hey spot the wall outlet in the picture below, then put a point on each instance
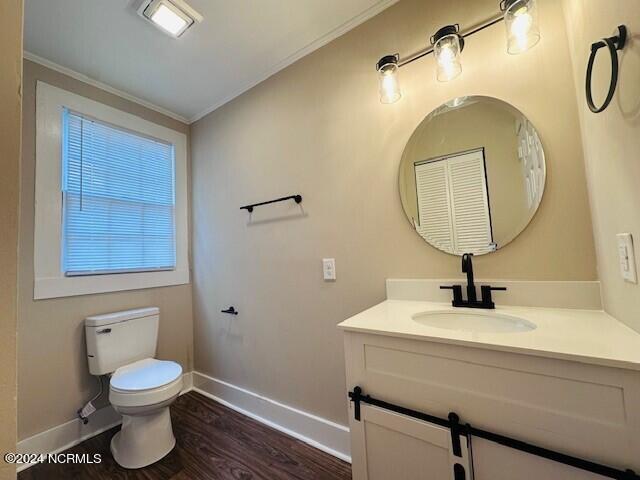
(329, 269)
(627, 257)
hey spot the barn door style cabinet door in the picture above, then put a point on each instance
(586, 411)
(394, 446)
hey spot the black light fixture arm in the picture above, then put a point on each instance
(463, 34)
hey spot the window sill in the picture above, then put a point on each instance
(59, 287)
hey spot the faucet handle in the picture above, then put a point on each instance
(487, 301)
(457, 293)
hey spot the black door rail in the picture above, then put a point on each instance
(467, 430)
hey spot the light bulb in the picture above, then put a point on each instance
(520, 28)
(521, 20)
(388, 78)
(390, 88)
(447, 51)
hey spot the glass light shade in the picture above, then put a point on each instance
(447, 51)
(521, 20)
(389, 83)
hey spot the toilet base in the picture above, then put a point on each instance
(143, 439)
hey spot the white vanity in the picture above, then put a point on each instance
(546, 386)
(560, 374)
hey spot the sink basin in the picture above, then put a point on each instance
(476, 322)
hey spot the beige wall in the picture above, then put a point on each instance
(611, 141)
(317, 128)
(10, 125)
(479, 125)
(53, 376)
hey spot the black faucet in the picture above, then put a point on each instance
(472, 298)
(467, 267)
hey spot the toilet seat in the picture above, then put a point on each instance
(145, 382)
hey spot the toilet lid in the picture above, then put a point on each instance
(145, 374)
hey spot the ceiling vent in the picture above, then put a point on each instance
(173, 17)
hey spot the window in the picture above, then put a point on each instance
(118, 199)
(111, 199)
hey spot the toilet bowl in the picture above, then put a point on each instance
(141, 388)
(142, 392)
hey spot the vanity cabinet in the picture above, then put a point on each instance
(585, 410)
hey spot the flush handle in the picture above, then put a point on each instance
(103, 331)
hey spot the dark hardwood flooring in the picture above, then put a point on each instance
(213, 442)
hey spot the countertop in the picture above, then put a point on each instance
(586, 336)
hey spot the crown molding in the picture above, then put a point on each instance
(316, 44)
(102, 86)
(242, 88)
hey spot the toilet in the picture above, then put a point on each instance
(141, 388)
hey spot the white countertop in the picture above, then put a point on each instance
(587, 336)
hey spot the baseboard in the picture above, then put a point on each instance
(187, 382)
(318, 432)
(70, 434)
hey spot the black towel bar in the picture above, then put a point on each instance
(612, 44)
(249, 208)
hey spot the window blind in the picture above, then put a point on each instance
(118, 199)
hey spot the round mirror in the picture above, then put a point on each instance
(472, 175)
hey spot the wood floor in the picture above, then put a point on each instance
(213, 442)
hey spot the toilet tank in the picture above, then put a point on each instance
(117, 339)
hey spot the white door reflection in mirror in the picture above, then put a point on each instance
(453, 202)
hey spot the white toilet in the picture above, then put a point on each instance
(123, 345)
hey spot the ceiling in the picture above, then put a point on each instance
(239, 44)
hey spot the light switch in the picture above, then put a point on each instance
(627, 257)
(329, 268)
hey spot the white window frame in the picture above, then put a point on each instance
(50, 280)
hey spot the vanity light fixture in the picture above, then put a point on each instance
(447, 45)
(521, 20)
(173, 17)
(387, 69)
